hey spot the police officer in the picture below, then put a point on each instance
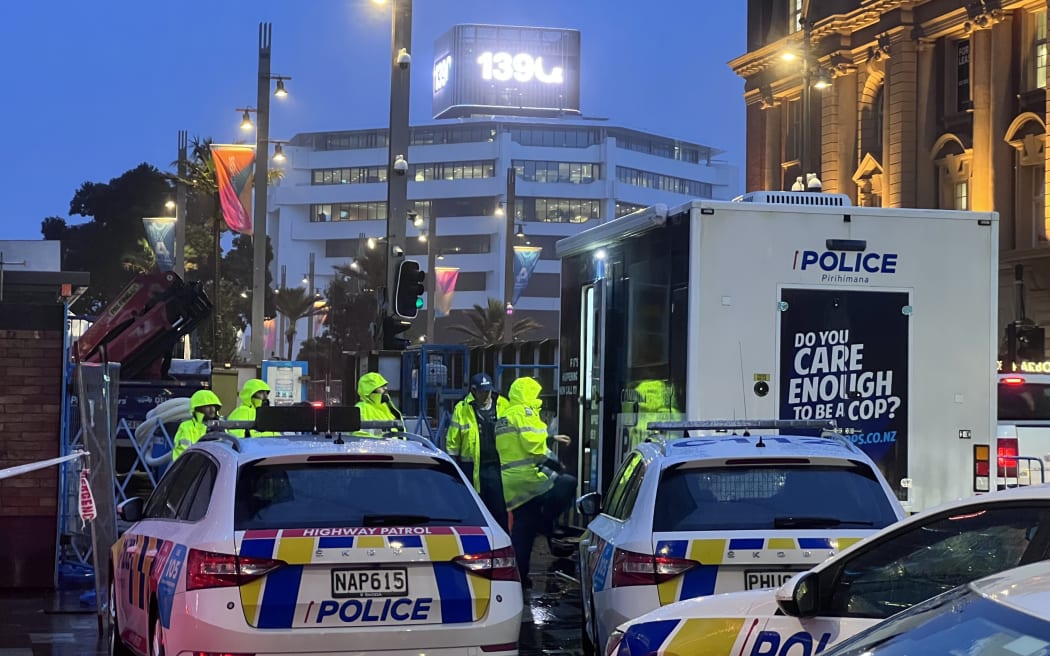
(204, 406)
(535, 493)
(375, 404)
(471, 441)
(254, 394)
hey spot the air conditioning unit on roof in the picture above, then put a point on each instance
(806, 198)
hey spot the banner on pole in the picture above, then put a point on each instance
(160, 233)
(234, 172)
(444, 288)
(525, 259)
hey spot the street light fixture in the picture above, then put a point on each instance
(246, 121)
(813, 77)
(278, 152)
(520, 234)
(280, 91)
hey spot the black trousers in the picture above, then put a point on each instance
(492, 492)
(538, 516)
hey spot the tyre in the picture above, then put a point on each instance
(116, 645)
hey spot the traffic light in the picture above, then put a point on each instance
(392, 327)
(408, 290)
(1031, 343)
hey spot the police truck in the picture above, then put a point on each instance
(789, 305)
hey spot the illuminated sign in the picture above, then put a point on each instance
(522, 67)
(843, 262)
(442, 68)
(499, 69)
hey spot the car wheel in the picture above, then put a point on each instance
(116, 645)
(156, 645)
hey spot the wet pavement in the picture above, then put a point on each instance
(50, 623)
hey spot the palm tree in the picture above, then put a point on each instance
(141, 260)
(295, 304)
(369, 271)
(487, 323)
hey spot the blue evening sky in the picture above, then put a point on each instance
(92, 89)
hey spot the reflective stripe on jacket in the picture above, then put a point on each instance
(463, 437)
(521, 439)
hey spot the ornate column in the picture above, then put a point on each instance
(899, 152)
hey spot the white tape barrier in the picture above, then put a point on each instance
(33, 466)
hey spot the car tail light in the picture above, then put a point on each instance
(630, 568)
(507, 646)
(497, 565)
(207, 569)
(1006, 448)
(1012, 380)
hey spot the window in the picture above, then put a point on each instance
(452, 170)
(794, 15)
(769, 498)
(174, 488)
(624, 491)
(664, 182)
(370, 211)
(936, 556)
(350, 140)
(660, 146)
(353, 175)
(1027, 401)
(962, 195)
(557, 210)
(623, 209)
(324, 495)
(570, 172)
(1039, 50)
(792, 131)
(555, 137)
(430, 135)
(197, 504)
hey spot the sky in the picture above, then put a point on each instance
(93, 89)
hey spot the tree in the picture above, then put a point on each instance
(101, 245)
(295, 304)
(486, 324)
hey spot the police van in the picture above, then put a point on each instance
(311, 544)
(901, 566)
(789, 305)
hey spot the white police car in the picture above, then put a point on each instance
(902, 565)
(1004, 614)
(696, 516)
(312, 545)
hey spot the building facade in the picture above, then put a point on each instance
(567, 175)
(910, 103)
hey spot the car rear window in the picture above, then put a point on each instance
(351, 494)
(770, 497)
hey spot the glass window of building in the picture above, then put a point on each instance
(962, 195)
(352, 175)
(557, 210)
(568, 172)
(623, 209)
(555, 137)
(1039, 50)
(664, 182)
(428, 171)
(369, 211)
(795, 15)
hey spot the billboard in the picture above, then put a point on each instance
(844, 356)
(499, 69)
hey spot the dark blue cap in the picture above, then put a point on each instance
(481, 382)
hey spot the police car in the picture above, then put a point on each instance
(308, 545)
(1002, 614)
(902, 565)
(696, 516)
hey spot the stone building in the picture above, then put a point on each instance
(910, 103)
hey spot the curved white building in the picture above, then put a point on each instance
(569, 175)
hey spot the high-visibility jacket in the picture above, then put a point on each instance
(463, 437)
(521, 439)
(193, 429)
(375, 408)
(246, 410)
(655, 400)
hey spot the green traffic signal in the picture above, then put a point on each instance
(419, 303)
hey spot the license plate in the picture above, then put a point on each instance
(391, 582)
(757, 579)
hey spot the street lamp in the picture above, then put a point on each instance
(262, 139)
(246, 121)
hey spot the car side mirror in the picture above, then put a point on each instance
(589, 504)
(798, 597)
(131, 510)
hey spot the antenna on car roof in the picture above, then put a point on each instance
(743, 392)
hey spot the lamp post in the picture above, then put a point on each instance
(310, 295)
(180, 206)
(812, 76)
(262, 141)
(508, 269)
(398, 141)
